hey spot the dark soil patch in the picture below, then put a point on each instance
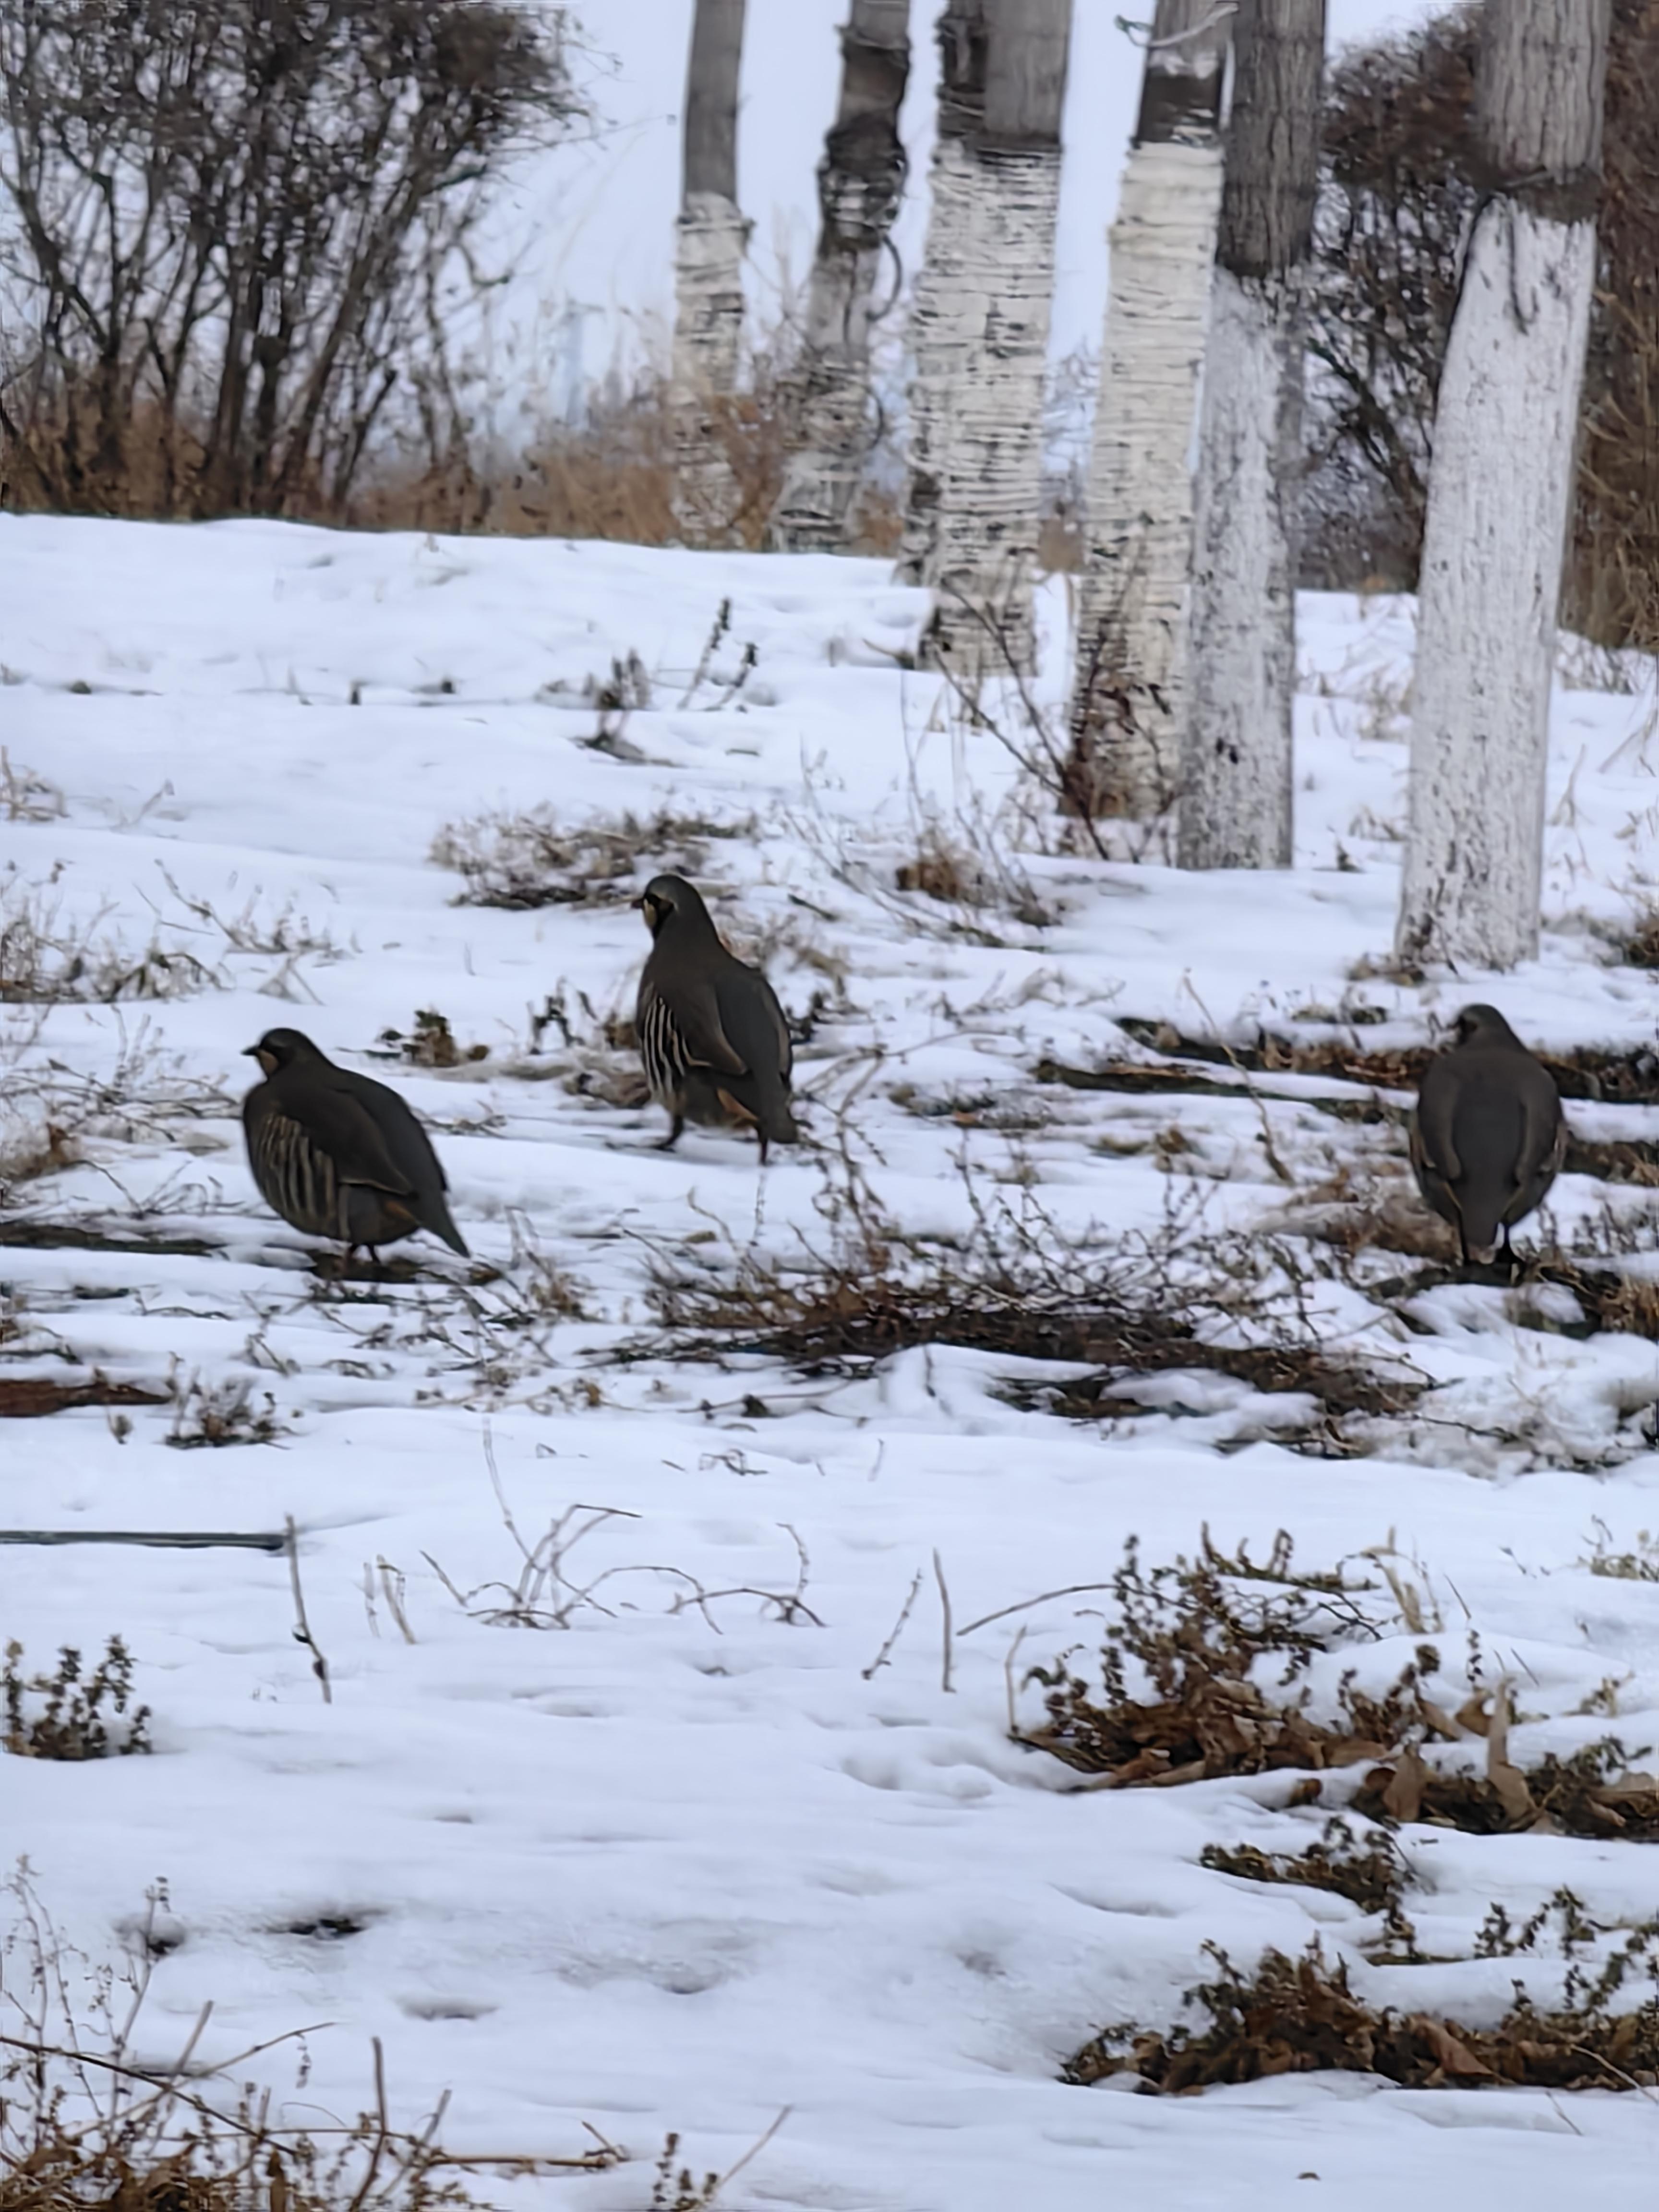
(27, 1397)
(36, 1235)
(1622, 1078)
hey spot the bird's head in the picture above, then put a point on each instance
(1485, 1023)
(665, 895)
(280, 1049)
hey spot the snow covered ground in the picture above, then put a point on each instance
(679, 1865)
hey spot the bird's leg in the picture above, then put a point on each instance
(668, 1143)
(761, 1133)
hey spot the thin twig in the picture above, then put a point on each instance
(1072, 1589)
(392, 1586)
(1008, 1680)
(754, 2150)
(897, 1630)
(302, 1627)
(946, 1682)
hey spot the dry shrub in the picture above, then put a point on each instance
(528, 859)
(1299, 2016)
(1595, 1792)
(1021, 1286)
(89, 2118)
(430, 1044)
(1195, 1632)
(65, 1714)
(208, 1416)
(48, 959)
(1182, 1698)
(1367, 1870)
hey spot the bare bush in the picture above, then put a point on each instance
(1401, 184)
(239, 232)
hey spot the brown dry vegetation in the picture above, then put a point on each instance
(1020, 1288)
(1300, 2016)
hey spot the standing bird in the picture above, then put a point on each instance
(1488, 1137)
(337, 1154)
(712, 1034)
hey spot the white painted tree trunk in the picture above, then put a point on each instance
(1236, 803)
(1499, 498)
(980, 340)
(1500, 490)
(711, 235)
(1237, 754)
(1130, 680)
(860, 181)
(979, 329)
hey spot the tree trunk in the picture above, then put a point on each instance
(1500, 490)
(709, 280)
(979, 327)
(860, 181)
(1129, 683)
(1237, 748)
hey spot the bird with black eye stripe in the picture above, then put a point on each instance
(337, 1154)
(712, 1034)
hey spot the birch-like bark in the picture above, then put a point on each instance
(1500, 492)
(711, 236)
(1237, 749)
(980, 328)
(1130, 680)
(860, 182)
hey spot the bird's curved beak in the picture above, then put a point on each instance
(638, 903)
(250, 1052)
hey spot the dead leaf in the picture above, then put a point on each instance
(1440, 1720)
(1454, 2058)
(1407, 1780)
(1472, 1714)
(1505, 1777)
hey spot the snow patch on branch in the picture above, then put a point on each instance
(1499, 497)
(1235, 802)
(1129, 686)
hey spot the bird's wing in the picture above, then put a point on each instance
(407, 1145)
(343, 1127)
(696, 1008)
(1431, 1130)
(752, 1019)
(1543, 1125)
